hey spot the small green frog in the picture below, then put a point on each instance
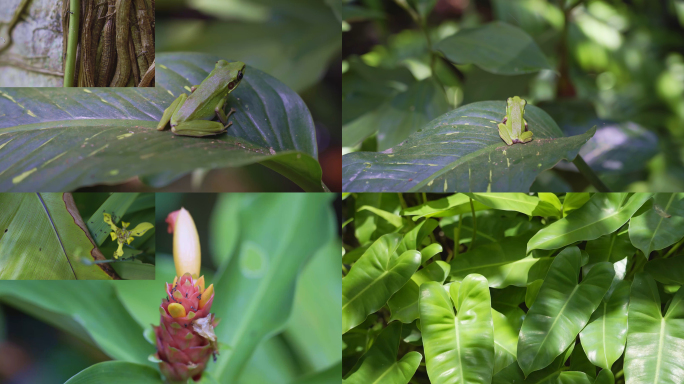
(191, 115)
(511, 128)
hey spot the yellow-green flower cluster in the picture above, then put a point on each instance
(123, 235)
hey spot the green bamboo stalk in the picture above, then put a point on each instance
(75, 10)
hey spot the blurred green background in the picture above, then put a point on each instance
(298, 42)
(618, 64)
(32, 351)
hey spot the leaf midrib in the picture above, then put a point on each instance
(541, 345)
(59, 238)
(650, 242)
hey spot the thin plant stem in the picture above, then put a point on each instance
(472, 209)
(673, 249)
(586, 171)
(75, 10)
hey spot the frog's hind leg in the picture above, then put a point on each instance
(222, 115)
(503, 133)
(525, 121)
(168, 112)
(526, 137)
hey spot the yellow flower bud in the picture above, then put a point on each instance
(186, 247)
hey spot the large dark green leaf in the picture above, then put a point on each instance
(655, 343)
(495, 47)
(61, 139)
(659, 226)
(462, 151)
(42, 236)
(459, 346)
(667, 271)
(380, 365)
(562, 308)
(399, 117)
(116, 372)
(604, 213)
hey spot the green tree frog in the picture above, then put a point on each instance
(511, 128)
(191, 115)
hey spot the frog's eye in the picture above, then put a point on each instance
(239, 75)
(231, 85)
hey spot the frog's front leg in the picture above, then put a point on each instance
(222, 115)
(503, 133)
(168, 112)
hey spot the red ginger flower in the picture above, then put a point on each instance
(185, 335)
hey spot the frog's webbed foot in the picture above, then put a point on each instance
(503, 133)
(526, 137)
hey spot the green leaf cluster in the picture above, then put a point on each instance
(513, 288)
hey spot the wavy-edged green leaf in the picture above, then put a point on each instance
(87, 309)
(506, 331)
(42, 237)
(604, 213)
(64, 138)
(517, 202)
(462, 151)
(404, 304)
(459, 347)
(532, 292)
(116, 372)
(555, 373)
(661, 225)
(655, 343)
(414, 238)
(562, 308)
(367, 225)
(374, 278)
(603, 339)
(507, 301)
(574, 200)
(667, 271)
(496, 47)
(503, 263)
(380, 365)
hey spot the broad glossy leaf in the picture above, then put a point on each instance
(574, 200)
(562, 308)
(604, 213)
(117, 372)
(605, 377)
(492, 226)
(61, 139)
(414, 238)
(667, 271)
(380, 365)
(404, 304)
(507, 301)
(42, 237)
(612, 247)
(503, 263)
(461, 151)
(603, 339)
(580, 362)
(555, 373)
(459, 347)
(87, 309)
(506, 331)
(496, 47)
(517, 202)
(655, 343)
(532, 292)
(258, 284)
(374, 278)
(661, 225)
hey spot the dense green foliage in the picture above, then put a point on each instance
(415, 70)
(511, 288)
